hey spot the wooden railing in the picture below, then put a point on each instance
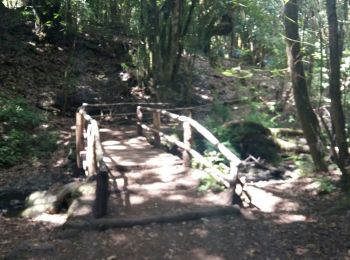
(94, 149)
(229, 180)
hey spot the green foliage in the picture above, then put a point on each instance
(325, 185)
(250, 137)
(257, 115)
(237, 73)
(11, 146)
(304, 164)
(15, 113)
(219, 114)
(208, 182)
(20, 136)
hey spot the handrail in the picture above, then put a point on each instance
(124, 104)
(186, 144)
(94, 149)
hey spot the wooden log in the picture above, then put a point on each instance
(156, 125)
(160, 219)
(286, 131)
(139, 116)
(102, 192)
(187, 135)
(79, 137)
(292, 147)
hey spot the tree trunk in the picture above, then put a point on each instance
(335, 94)
(307, 117)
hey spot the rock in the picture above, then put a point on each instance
(50, 201)
(251, 138)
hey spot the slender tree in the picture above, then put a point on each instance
(335, 94)
(307, 117)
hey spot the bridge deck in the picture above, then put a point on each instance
(147, 180)
(123, 149)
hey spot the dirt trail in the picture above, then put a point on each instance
(290, 223)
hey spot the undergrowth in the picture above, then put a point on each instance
(21, 134)
(251, 137)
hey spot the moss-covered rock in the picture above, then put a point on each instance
(250, 138)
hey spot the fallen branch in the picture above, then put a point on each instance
(105, 223)
(286, 131)
(292, 147)
(274, 171)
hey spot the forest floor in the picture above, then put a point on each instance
(290, 220)
(290, 224)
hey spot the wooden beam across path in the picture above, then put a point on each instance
(105, 223)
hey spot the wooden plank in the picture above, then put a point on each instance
(156, 125)
(187, 135)
(139, 121)
(79, 138)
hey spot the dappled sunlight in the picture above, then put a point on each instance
(201, 253)
(114, 145)
(53, 219)
(265, 201)
(287, 218)
(60, 162)
(110, 142)
(179, 197)
(311, 187)
(200, 232)
(137, 200)
(118, 238)
(105, 130)
(288, 205)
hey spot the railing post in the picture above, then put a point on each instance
(186, 157)
(139, 121)
(233, 180)
(91, 157)
(156, 125)
(79, 137)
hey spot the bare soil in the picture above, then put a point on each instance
(294, 225)
(289, 221)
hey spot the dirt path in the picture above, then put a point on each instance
(255, 235)
(291, 223)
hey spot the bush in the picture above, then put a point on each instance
(250, 138)
(325, 185)
(15, 113)
(20, 137)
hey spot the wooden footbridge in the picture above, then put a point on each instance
(111, 150)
